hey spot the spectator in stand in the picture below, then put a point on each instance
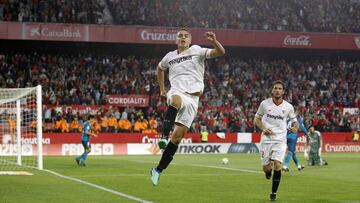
(153, 124)
(124, 125)
(112, 123)
(33, 126)
(75, 125)
(12, 127)
(95, 125)
(64, 126)
(104, 123)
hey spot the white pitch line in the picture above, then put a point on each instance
(209, 166)
(145, 175)
(92, 185)
(98, 187)
(225, 168)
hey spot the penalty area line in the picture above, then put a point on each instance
(98, 187)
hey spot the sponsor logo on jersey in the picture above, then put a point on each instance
(179, 60)
(275, 116)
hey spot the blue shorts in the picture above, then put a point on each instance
(291, 143)
(86, 144)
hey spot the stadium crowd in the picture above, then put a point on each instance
(274, 15)
(234, 87)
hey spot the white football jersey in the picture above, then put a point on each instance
(186, 70)
(275, 117)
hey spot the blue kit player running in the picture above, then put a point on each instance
(85, 141)
(291, 144)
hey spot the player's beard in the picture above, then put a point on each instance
(277, 97)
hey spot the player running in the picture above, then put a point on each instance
(271, 118)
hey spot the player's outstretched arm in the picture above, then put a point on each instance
(219, 49)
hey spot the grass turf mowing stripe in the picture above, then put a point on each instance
(98, 187)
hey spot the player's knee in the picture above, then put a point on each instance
(88, 150)
(267, 168)
(175, 101)
(277, 165)
(178, 134)
(176, 139)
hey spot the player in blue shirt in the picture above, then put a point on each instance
(291, 143)
(85, 140)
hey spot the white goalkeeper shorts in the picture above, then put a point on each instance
(272, 151)
(188, 109)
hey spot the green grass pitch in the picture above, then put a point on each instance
(190, 178)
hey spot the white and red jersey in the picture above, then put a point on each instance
(275, 117)
(186, 70)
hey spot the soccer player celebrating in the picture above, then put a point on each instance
(186, 74)
(85, 140)
(291, 144)
(271, 118)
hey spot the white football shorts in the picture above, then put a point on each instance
(188, 110)
(272, 151)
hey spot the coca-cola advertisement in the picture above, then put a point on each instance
(301, 40)
(164, 35)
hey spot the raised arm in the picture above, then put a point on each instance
(218, 48)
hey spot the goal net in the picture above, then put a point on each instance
(20, 128)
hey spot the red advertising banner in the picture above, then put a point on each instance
(60, 138)
(129, 100)
(69, 144)
(164, 35)
(338, 137)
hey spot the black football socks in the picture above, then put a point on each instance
(276, 180)
(168, 121)
(167, 156)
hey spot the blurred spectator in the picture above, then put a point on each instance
(234, 88)
(280, 15)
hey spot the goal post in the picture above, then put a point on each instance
(21, 128)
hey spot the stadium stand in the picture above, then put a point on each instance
(281, 15)
(319, 88)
